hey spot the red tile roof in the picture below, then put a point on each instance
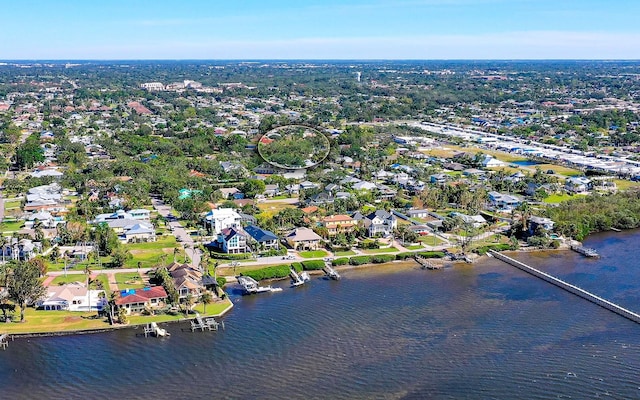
(142, 295)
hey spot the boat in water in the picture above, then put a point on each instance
(250, 286)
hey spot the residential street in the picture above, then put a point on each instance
(178, 231)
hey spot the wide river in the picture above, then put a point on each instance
(482, 331)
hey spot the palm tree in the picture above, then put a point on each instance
(3, 243)
(175, 253)
(87, 272)
(206, 298)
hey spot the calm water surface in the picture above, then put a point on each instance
(481, 331)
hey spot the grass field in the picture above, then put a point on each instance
(274, 208)
(558, 198)
(40, 321)
(345, 253)
(105, 283)
(150, 253)
(62, 280)
(380, 251)
(9, 204)
(431, 240)
(129, 280)
(10, 226)
(450, 150)
(623, 184)
(560, 170)
(313, 254)
(415, 247)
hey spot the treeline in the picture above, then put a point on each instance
(582, 216)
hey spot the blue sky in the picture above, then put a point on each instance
(327, 29)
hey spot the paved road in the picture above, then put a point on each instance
(178, 231)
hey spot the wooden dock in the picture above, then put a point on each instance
(426, 264)
(203, 324)
(585, 251)
(568, 287)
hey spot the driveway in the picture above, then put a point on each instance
(178, 231)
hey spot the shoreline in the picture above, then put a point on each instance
(231, 280)
(111, 328)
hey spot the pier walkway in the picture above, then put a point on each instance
(568, 287)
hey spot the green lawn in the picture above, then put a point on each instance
(313, 254)
(345, 253)
(623, 184)
(379, 251)
(10, 226)
(280, 197)
(431, 240)
(62, 280)
(149, 254)
(39, 321)
(129, 280)
(105, 283)
(558, 198)
(559, 169)
(415, 247)
(12, 204)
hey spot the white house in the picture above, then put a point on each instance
(72, 297)
(222, 218)
(380, 223)
(578, 184)
(503, 202)
(490, 162)
(232, 240)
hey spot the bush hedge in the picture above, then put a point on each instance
(431, 254)
(382, 258)
(313, 265)
(403, 256)
(360, 260)
(221, 281)
(276, 271)
(297, 266)
(225, 256)
(496, 247)
(340, 261)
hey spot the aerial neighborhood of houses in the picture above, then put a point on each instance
(161, 192)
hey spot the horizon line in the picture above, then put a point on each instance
(310, 59)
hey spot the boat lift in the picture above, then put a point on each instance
(299, 279)
(205, 324)
(328, 269)
(154, 330)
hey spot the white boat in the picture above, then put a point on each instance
(299, 279)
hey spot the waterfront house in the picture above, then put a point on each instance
(303, 239)
(232, 240)
(265, 239)
(380, 223)
(186, 279)
(72, 297)
(536, 223)
(135, 301)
